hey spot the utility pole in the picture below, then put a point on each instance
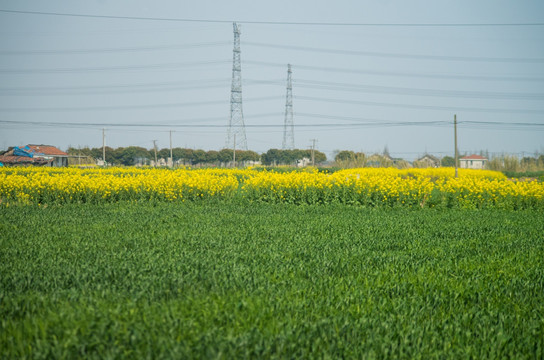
(455, 140)
(313, 151)
(234, 152)
(104, 146)
(171, 157)
(155, 148)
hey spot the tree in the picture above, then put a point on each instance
(447, 161)
(132, 155)
(97, 154)
(290, 157)
(225, 155)
(528, 161)
(319, 157)
(84, 151)
(164, 153)
(271, 157)
(186, 155)
(344, 155)
(247, 155)
(212, 156)
(199, 156)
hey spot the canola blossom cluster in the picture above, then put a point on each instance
(383, 187)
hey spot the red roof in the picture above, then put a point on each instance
(15, 159)
(47, 150)
(11, 159)
(473, 157)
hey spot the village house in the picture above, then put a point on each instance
(428, 160)
(35, 155)
(472, 162)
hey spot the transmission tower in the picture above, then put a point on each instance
(288, 125)
(236, 127)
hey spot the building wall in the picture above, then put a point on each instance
(56, 161)
(472, 164)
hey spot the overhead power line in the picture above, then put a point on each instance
(396, 55)
(126, 107)
(117, 86)
(113, 50)
(114, 68)
(425, 107)
(401, 74)
(415, 91)
(273, 22)
(368, 123)
(122, 88)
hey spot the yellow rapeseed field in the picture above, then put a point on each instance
(368, 186)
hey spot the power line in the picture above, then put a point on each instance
(363, 123)
(341, 86)
(425, 107)
(126, 107)
(114, 68)
(402, 74)
(113, 50)
(123, 88)
(269, 98)
(106, 90)
(366, 121)
(102, 87)
(416, 91)
(274, 22)
(396, 55)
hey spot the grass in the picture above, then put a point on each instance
(203, 280)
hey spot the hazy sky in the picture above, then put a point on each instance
(361, 79)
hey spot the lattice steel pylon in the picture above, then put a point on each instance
(236, 130)
(288, 125)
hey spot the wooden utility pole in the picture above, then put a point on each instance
(313, 151)
(155, 149)
(104, 146)
(171, 157)
(234, 152)
(455, 140)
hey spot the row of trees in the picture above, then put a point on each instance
(134, 155)
(292, 157)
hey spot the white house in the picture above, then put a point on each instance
(472, 162)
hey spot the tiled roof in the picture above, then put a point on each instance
(11, 159)
(429, 156)
(473, 157)
(47, 150)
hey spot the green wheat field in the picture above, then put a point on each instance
(232, 281)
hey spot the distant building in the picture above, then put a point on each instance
(302, 162)
(472, 162)
(35, 155)
(428, 160)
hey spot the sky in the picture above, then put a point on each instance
(366, 74)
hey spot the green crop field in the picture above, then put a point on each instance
(225, 280)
